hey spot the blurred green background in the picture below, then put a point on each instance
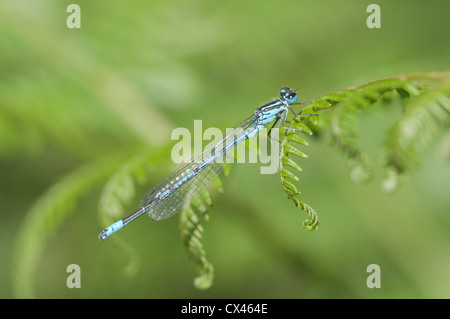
(135, 71)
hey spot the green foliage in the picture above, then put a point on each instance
(419, 125)
(191, 234)
(289, 146)
(47, 215)
(425, 105)
(425, 110)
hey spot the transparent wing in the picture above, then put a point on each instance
(186, 193)
(169, 197)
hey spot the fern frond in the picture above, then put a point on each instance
(47, 214)
(351, 102)
(191, 232)
(344, 134)
(416, 128)
(288, 148)
(357, 98)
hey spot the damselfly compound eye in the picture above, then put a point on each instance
(289, 95)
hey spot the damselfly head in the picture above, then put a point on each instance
(289, 95)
